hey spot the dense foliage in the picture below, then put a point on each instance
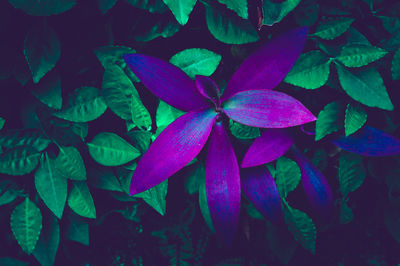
(75, 121)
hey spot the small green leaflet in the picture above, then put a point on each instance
(194, 178)
(239, 6)
(241, 131)
(391, 24)
(165, 115)
(84, 105)
(141, 139)
(51, 186)
(287, 176)
(21, 70)
(351, 172)
(7, 261)
(8, 192)
(346, 214)
(205, 211)
(320, 159)
(333, 28)
(43, 7)
(155, 197)
(104, 178)
(354, 119)
(227, 27)
(70, 164)
(19, 161)
(301, 226)
(181, 9)
(42, 49)
(281, 242)
(196, 61)
(252, 211)
(274, 12)
(105, 5)
(26, 225)
(78, 230)
(153, 6)
(358, 55)
(140, 115)
(365, 86)
(307, 13)
(80, 200)
(330, 119)
(28, 137)
(163, 26)
(110, 149)
(311, 70)
(396, 65)
(2, 122)
(48, 91)
(49, 240)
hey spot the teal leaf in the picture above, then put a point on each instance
(310, 71)
(42, 49)
(153, 6)
(165, 115)
(29, 137)
(351, 172)
(78, 230)
(205, 211)
(141, 139)
(105, 5)
(19, 161)
(2, 122)
(80, 200)
(70, 164)
(84, 105)
(110, 149)
(140, 115)
(8, 192)
(241, 131)
(357, 55)
(26, 225)
(354, 119)
(48, 91)
(181, 9)
(333, 28)
(252, 211)
(307, 13)
(163, 26)
(227, 27)
(196, 61)
(365, 86)
(396, 65)
(49, 240)
(346, 213)
(320, 159)
(391, 24)
(51, 186)
(155, 197)
(6, 261)
(238, 6)
(330, 119)
(43, 7)
(194, 178)
(392, 220)
(281, 242)
(287, 176)
(274, 11)
(104, 178)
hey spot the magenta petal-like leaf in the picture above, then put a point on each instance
(268, 109)
(166, 81)
(259, 186)
(369, 141)
(316, 187)
(271, 145)
(222, 184)
(266, 67)
(175, 147)
(208, 88)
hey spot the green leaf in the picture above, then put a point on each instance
(110, 149)
(333, 28)
(42, 49)
(51, 186)
(354, 119)
(70, 164)
(105, 5)
(205, 211)
(48, 91)
(238, 6)
(391, 24)
(78, 230)
(351, 172)
(43, 7)
(153, 6)
(80, 200)
(6, 261)
(84, 105)
(392, 220)
(320, 159)
(396, 65)
(281, 242)
(26, 225)
(311, 70)
(163, 26)
(365, 86)
(287, 177)
(357, 55)
(141, 139)
(104, 178)
(194, 178)
(196, 61)
(8, 192)
(274, 12)
(181, 9)
(165, 115)
(140, 115)
(253, 212)
(28, 137)
(227, 27)
(47, 246)
(19, 161)
(346, 214)
(330, 119)
(2, 122)
(241, 131)
(301, 226)
(307, 13)
(155, 197)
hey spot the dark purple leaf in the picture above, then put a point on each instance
(266, 67)
(167, 82)
(175, 147)
(268, 109)
(222, 184)
(369, 141)
(209, 89)
(259, 186)
(271, 145)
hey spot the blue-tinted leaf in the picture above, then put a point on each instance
(43, 7)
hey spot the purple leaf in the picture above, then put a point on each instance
(271, 145)
(369, 141)
(209, 89)
(268, 109)
(167, 82)
(222, 184)
(317, 189)
(259, 186)
(175, 147)
(266, 67)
